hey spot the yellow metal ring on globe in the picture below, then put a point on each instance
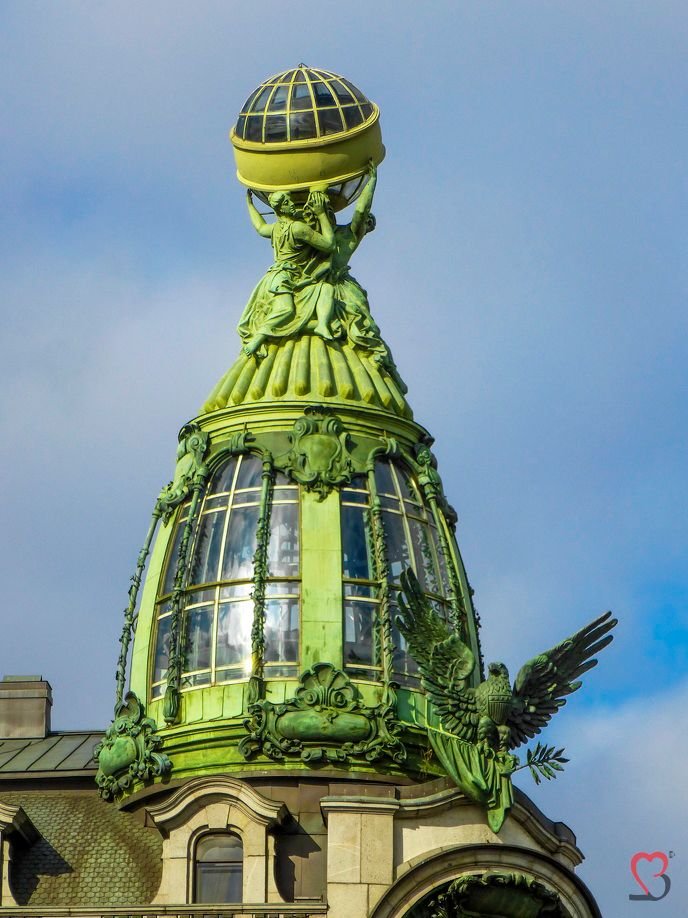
(301, 163)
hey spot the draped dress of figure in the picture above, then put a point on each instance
(296, 288)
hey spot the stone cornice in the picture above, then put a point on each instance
(553, 837)
(367, 805)
(201, 791)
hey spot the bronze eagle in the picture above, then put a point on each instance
(493, 714)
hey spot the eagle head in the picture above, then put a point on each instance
(498, 669)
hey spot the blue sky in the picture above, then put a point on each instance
(529, 264)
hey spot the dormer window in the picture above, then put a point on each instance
(219, 868)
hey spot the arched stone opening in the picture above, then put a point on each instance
(524, 872)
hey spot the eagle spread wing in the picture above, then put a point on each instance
(444, 661)
(543, 683)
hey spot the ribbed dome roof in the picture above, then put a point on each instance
(302, 104)
(310, 369)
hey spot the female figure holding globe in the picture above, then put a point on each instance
(308, 289)
(296, 286)
(307, 143)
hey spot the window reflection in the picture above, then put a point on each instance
(403, 664)
(278, 102)
(323, 96)
(173, 557)
(342, 92)
(275, 128)
(396, 545)
(330, 121)
(162, 647)
(261, 100)
(352, 115)
(219, 606)
(410, 540)
(360, 611)
(199, 625)
(359, 633)
(300, 97)
(218, 874)
(302, 125)
(234, 622)
(283, 550)
(281, 631)
(302, 92)
(209, 547)
(357, 548)
(240, 546)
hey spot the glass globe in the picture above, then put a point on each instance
(307, 127)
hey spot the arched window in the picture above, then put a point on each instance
(218, 602)
(219, 868)
(410, 540)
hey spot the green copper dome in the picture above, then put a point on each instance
(265, 631)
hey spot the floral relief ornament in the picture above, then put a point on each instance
(325, 721)
(128, 751)
(319, 457)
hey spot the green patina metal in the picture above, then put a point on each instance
(485, 722)
(381, 567)
(319, 458)
(321, 613)
(315, 396)
(431, 483)
(193, 444)
(486, 895)
(256, 689)
(130, 611)
(325, 721)
(307, 329)
(321, 566)
(177, 633)
(189, 475)
(190, 469)
(129, 750)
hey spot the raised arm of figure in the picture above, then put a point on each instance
(364, 204)
(323, 240)
(259, 224)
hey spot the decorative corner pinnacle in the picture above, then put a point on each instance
(190, 471)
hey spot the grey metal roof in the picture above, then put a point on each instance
(58, 754)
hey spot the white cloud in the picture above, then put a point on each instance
(623, 792)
